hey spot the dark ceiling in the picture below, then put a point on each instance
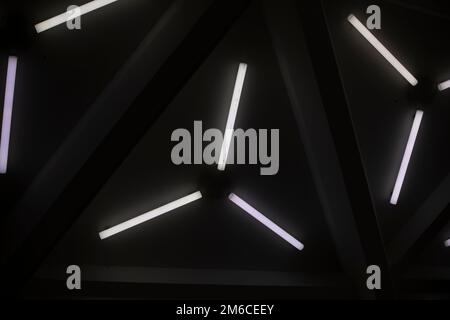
(90, 148)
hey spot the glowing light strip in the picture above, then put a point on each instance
(407, 157)
(67, 16)
(150, 215)
(382, 50)
(444, 85)
(447, 243)
(232, 116)
(265, 221)
(7, 113)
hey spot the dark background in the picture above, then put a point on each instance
(90, 147)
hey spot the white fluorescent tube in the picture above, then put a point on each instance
(407, 157)
(447, 243)
(444, 85)
(232, 116)
(265, 221)
(7, 113)
(150, 215)
(67, 16)
(382, 50)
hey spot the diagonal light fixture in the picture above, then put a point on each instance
(407, 157)
(150, 215)
(419, 113)
(7, 113)
(67, 16)
(265, 221)
(382, 49)
(229, 129)
(444, 85)
(221, 166)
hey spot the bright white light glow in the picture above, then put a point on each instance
(444, 85)
(265, 221)
(7, 113)
(229, 129)
(382, 49)
(67, 16)
(447, 243)
(150, 215)
(407, 157)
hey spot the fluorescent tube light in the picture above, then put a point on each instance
(444, 85)
(382, 49)
(229, 130)
(7, 113)
(150, 215)
(67, 16)
(265, 221)
(407, 157)
(447, 243)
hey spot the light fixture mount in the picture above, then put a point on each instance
(424, 93)
(215, 183)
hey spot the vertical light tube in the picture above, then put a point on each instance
(407, 157)
(447, 243)
(229, 129)
(7, 113)
(382, 49)
(265, 221)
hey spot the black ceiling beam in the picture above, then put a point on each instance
(186, 276)
(429, 282)
(428, 273)
(299, 78)
(55, 289)
(337, 111)
(113, 150)
(423, 226)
